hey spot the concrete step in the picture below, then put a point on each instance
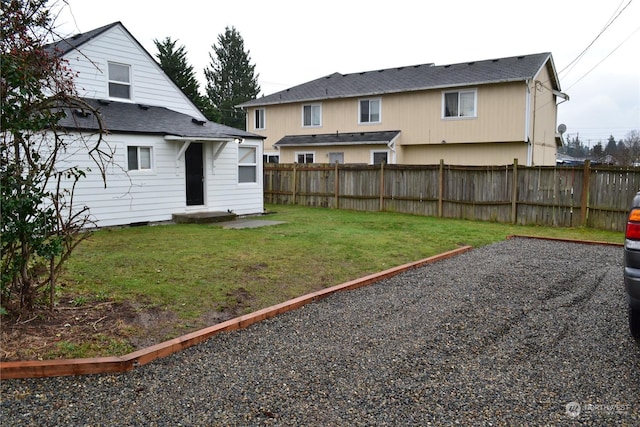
(202, 217)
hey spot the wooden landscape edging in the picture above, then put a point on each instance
(116, 364)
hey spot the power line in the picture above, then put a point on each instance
(603, 59)
(611, 21)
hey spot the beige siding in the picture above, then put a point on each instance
(465, 154)
(543, 116)
(357, 154)
(503, 118)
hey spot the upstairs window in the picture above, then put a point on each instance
(369, 111)
(247, 165)
(119, 81)
(459, 104)
(259, 119)
(138, 158)
(311, 115)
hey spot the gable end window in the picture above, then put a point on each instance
(259, 119)
(369, 111)
(138, 158)
(119, 80)
(459, 103)
(311, 115)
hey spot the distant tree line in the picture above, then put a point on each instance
(230, 77)
(624, 152)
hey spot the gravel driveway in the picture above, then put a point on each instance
(522, 332)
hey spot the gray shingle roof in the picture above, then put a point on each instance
(123, 117)
(66, 45)
(413, 78)
(351, 138)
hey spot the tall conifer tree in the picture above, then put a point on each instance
(173, 61)
(231, 78)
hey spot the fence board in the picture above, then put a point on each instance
(554, 196)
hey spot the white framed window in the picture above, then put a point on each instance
(271, 158)
(119, 80)
(336, 157)
(139, 158)
(369, 111)
(312, 115)
(308, 157)
(378, 157)
(247, 164)
(459, 103)
(259, 119)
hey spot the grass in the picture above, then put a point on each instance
(192, 269)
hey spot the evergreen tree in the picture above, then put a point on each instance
(611, 147)
(231, 79)
(598, 151)
(173, 61)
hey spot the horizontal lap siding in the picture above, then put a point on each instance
(223, 190)
(149, 84)
(136, 196)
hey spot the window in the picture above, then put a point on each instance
(369, 111)
(138, 158)
(247, 165)
(259, 118)
(378, 157)
(271, 158)
(119, 81)
(311, 115)
(305, 157)
(336, 157)
(459, 104)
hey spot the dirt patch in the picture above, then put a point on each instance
(79, 327)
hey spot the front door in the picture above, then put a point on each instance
(194, 167)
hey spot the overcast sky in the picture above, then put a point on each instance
(595, 45)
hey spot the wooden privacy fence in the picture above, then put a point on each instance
(563, 196)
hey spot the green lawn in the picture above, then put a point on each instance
(191, 269)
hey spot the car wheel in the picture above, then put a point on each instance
(634, 322)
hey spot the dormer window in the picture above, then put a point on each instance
(119, 81)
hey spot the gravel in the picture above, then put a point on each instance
(522, 332)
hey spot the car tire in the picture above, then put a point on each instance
(634, 323)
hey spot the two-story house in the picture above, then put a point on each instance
(486, 112)
(167, 158)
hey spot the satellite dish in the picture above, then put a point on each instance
(562, 128)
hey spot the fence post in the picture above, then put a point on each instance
(293, 184)
(514, 192)
(584, 202)
(337, 186)
(382, 186)
(440, 187)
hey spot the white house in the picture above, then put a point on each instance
(168, 159)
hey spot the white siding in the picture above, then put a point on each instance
(139, 196)
(149, 84)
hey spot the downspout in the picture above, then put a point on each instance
(533, 120)
(527, 123)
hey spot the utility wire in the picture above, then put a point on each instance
(602, 60)
(611, 21)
